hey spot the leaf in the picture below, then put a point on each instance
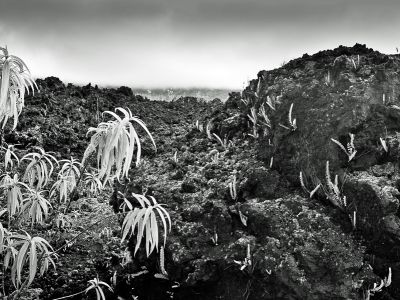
(302, 182)
(384, 144)
(33, 262)
(314, 190)
(352, 155)
(340, 145)
(243, 218)
(290, 114)
(20, 260)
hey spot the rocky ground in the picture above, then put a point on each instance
(269, 240)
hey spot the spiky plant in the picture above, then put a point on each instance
(223, 142)
(96, 285)
(292, 122)
(15, 81)
(208, 130)
(29, 251)
(232, 188)
(70, 167)
(303, 185)
(253, 117)
(39, 169)
(93, 183)
(3, 232)
(63, 186)
(384, 144)
(35, 207)
(115, 143)
(13, 192)
(386, 282)
(143, 221)
(9, 156)
(270, 102)
(67, 179)
(333, 191)
(350, 150)
(62, 221)
(266, 121)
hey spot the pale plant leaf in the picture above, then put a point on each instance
(314, 190)
(340, 145)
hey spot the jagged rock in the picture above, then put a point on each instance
(193, 213)
(260, 182)
(383, 170)
(309, 245)
(373, 198)
(325, 107)
(127, 91)
(189, 186)
(232, 126)
(391, 225)
(178, 175)
(234, 101)
(52, 83)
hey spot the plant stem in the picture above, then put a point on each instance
(3, 283)
(21, 289)
(2, 137)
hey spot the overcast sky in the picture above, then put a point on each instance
(186, 43)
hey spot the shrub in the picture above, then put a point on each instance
(115, 143)
(39, 169)
(36, 206)
(143, 220)
(12, 191)
(15, 79)
(93, 183)
(30, 249)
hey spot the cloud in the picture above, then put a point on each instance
(185, 43)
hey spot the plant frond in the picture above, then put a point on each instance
(143, 221)
(15, 81)
(28, 251)
(40, 168)
(115, 142)
(35, 206)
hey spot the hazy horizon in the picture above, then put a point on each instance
(136, 87)
(181, 43)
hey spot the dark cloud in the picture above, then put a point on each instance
(183, 42)
(73, 10)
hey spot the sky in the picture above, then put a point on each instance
(185, 43)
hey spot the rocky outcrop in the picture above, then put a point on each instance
(334, 93)
(350, 94)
